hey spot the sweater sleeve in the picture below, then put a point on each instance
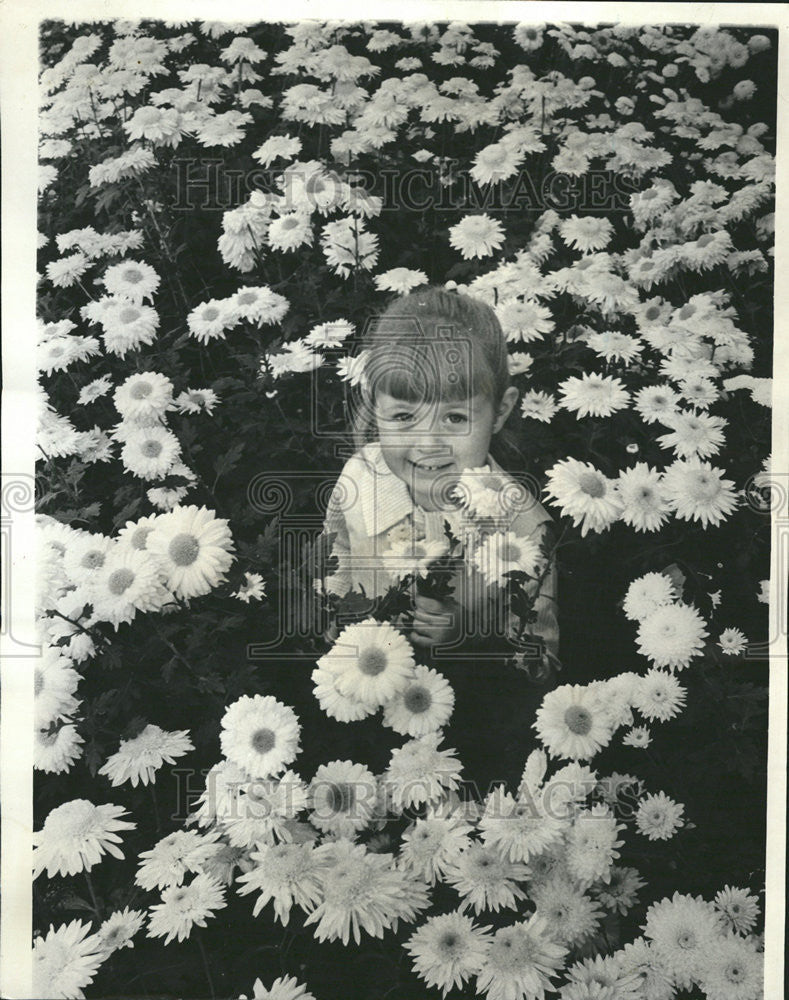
(335, 526)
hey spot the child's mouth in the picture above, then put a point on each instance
(436, 466)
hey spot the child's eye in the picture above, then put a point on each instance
(401, 417)
(457, 418)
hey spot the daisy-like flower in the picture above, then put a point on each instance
(570, 915)
(423, 706)
(94, 390)
(351, 368)
(343, 797)
(658, 817)
(138, 759)
(76, 835)
(56, 750)
(495, 163)
(144, 398)
(643, 505)
(586, 233)
(572, 722)
(286, 875)
(283, 988)
(335, 704)
(434, 843)
(593, 395)
(185, 906)
(448, 949)
(400, 279)
(264, 809)
(693, 434)
(600, 976)
(196, 549)
(502, 553)
(518, 362)
(150, 452)
(86, 554)
(252, 589)
(672, 635)
(68, 270)
(371, 661)
(592, 844)
(132, 280)
(258, 304)
(419, 772)
(638, 737)
(733, 642)
(127, 326)
(211, 320)
(361, 891)
(638, 959)
(528, 36)
(169, 861)
(520, 962)
(290, 231)
(56, 353)
(733, 970)
(127, 582)
(260, 735)
(485, 879)
(488, 496)
(330, 334)
(620, 893)
(518, 827)
(195, 400)
(699, 392)
(166, 499)
(648, 593)
(66, 960)
(54, 687)
(656, 402)
(584, 494)
(119, 928)
(412, 557)
(614, 346)
(524, 321)
(684, 931)
(739, 908)
(538, 406)
(276, 147)
(476, 236)
(659, 695)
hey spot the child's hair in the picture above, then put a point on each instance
(431, 345)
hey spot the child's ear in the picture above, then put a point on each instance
(504, 409)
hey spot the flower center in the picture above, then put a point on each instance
(290, 223)
(687, 940)
(704, 240)
(372, 662)
(704, 487)
(139, 538)
(417, 699)
(687, 311)
(132, 275)
(649, 195)
(120, 580)
(510, 553)
(211, 313)
(128, 315)
(592, 485)
(449, 942)
(246, 298)
(183, 549)
(341, 797)
(141, 390)
(653, 312)
(92, 560)
(151, 448)
(734, 974)
(578, 720)
(55, 352)
(263, 740)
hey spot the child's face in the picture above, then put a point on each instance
(423, 443)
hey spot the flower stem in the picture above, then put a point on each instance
(155, 802)
(92, 892)
(204, 957)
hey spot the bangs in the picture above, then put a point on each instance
(425, 372)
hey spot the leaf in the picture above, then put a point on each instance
(228, 459)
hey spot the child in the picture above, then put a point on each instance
(435, 391)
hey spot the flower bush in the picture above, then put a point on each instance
(222, 208)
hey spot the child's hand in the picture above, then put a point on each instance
(434, 621)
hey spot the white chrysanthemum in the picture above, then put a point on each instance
(733, 642)
(277, 147)
(119, 928)
(584, 494)
(76, 835)
(371, 661)
(132, 280)
(400, 279)
(739, 908)
(290, 231)
(495, 163)
(211, 320)
(658, 817)
(659, 695)
(485, 879)
(412, 557)
(57, 353)
(586, 233)
(693, 434)
(448, 949)
(684, 931)
(260, 735)
(593, 395)
(611, 345)
(488, 495)
(697, 491)
(648, 593)
(620, 893)
(286, 875)
(519, 362)
(639, 959)
(656, 402)
(252, 589)
(733, 970)
(66, 960)
(644, 507)
(538, 405)
(184, 907)
(56, 749)
(524, 321)
(126, 325)
(150, 452)
(600, 977)
(592, 845)
(144, 398)
(570, 915)
(129, 581)
(476, 236)
(94, 390)
(518, 827)
(343, 797)
(330, 334)
(638, 737)
(572, 722)
(671, 635)
(168, 862)
(196, 549)
(283, 988)
(54, 687)
(265, 808)
(419, 772)
(85, 555)
(502, 553)
(434, 843)
(520, 962)
(335, 704)
(138, 759)
(196, 400)
(424, 705)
